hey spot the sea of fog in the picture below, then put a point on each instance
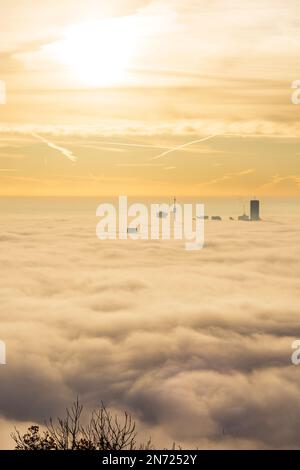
(196, 345)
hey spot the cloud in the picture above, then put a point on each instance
(65, 152)
(286, 184)
(227, 176)
(196, 345)
(8, 170)
(183, 146)
(138, 165)
(212, 128)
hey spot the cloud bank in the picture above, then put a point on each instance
(196, 345)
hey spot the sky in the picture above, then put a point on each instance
(98, 91)
(151, 99)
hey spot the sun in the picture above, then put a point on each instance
(98, 53)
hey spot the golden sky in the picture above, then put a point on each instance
(149, 97)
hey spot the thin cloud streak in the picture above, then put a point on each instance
(183, 146)
(139, 164)
(8, 169)
(228, 176)
(65, 152)
(123, 144)
(192, 142)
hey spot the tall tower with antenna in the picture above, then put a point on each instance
(174, 207)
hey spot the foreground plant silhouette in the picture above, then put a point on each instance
(104, 431)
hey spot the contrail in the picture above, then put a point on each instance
(67, 153)
(187, 144)
(128, 144)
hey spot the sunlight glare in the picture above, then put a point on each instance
(98, 53)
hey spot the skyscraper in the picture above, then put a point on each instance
(254, 210)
